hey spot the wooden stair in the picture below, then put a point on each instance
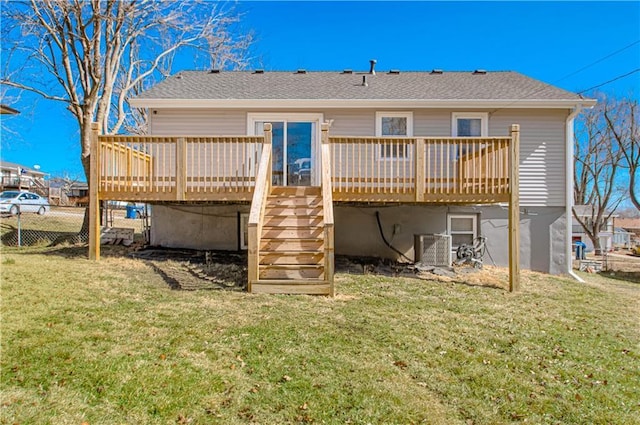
(292, 245)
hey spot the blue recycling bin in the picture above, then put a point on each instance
(580, 250)
(131, 211)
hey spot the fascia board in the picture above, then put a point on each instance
(359, 103)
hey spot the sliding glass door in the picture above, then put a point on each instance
(293, 151)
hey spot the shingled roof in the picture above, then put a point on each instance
(351, 86)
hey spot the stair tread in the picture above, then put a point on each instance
(289, 252)
(290, 281)
(292, 266)
(294, 239)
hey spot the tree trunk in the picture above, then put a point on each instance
(632, 187)
(85, 134)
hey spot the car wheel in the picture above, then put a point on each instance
(13, 210)
(42, 210)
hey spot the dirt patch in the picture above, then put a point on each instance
(196, 270)
(184, 269)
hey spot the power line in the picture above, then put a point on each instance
(597, 61)
(576, 72)
(610, 81)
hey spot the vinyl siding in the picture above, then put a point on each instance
(198, 122)
(542, 137)
(542, 153)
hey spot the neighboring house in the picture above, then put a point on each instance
(79, 194)
(68, 193)
(406, 154)
(18, 177)
(610, 239)
(632, 226)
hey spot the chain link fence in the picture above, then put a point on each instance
(28, 225)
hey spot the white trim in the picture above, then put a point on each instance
(314, 117)
(359, 103)
(569, 136)
(484, 121)
(394, 114)
(472, 216)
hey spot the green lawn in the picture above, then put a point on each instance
(110, 343)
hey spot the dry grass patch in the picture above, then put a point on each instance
(110, 342)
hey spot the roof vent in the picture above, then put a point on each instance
(479, 72)
(436, 71)
(394, 71)
(364, 81)
(301, 71)
(372, 64)
(214, 71)
(347, 71)
(179, 76)
(259, 71)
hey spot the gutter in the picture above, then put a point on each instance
(569, 134)
(177, 103)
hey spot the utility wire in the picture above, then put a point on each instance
(597, 61)
(610, 81)
(534, 92)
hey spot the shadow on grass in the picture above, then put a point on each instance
(10, 236)
(633, 277)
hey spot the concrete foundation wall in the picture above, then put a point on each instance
(542, 230)
(204, 227)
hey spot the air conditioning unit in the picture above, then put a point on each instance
(433, 249)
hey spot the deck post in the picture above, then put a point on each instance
(256, 216)
(327, 206)
(514, 209)
(420, 169)
(94, 193)
(181, 168)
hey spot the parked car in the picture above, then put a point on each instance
(14, 202)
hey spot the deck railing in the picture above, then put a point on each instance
(366, 169)
(420, 169)
(178, 168)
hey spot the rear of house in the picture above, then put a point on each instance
(413, 157)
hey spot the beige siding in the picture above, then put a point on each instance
(198, 122)
(542, 153)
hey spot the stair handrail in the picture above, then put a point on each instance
(327, 206)
(256, 216)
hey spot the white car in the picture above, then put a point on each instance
(14, 202)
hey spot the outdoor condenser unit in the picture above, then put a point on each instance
(433, 249)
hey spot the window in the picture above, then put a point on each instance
(394, 124)
(463, 229)
(469, 124)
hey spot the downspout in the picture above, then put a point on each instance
(569, 189)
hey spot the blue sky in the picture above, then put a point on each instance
(548, 41)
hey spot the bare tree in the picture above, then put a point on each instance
(598, 160)
(93, 55)
(622, 117)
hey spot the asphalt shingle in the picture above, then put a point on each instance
(501, 85)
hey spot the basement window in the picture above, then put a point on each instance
(463, 229)
(394, 124)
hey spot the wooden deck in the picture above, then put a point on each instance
(353, 169)
(224, 168)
